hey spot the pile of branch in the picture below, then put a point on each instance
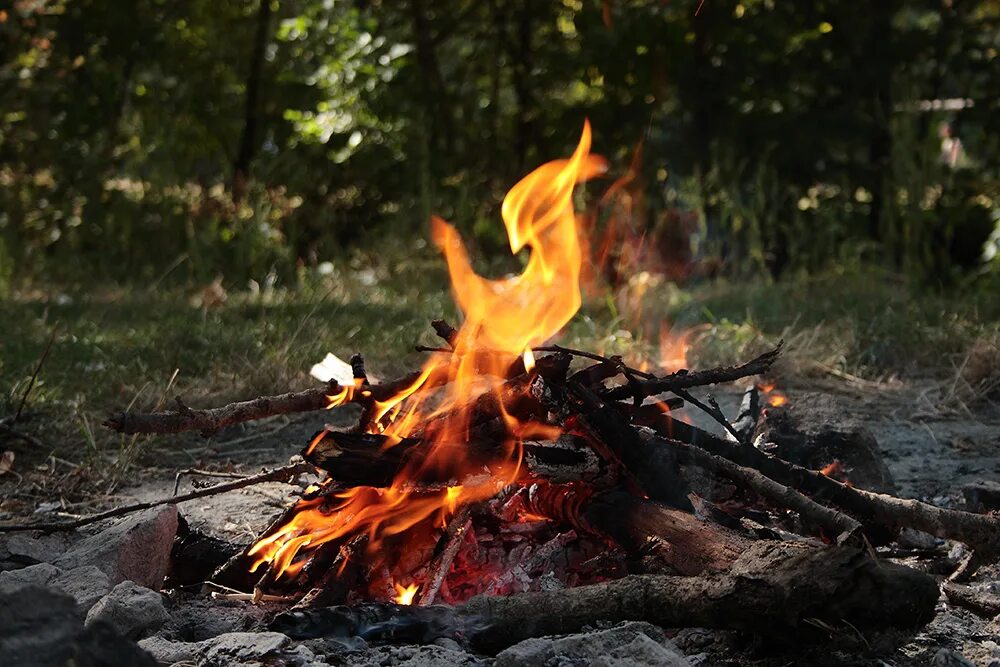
(620, 473)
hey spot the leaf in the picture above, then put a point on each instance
(6, 461)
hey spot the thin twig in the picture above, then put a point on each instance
(841, 527)
(34, 376)
(685, 379)
(204, 473)
(713, 411)
(275, 475)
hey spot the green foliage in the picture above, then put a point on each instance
(799, 134)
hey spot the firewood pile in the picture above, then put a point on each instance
(511, 488)
(613, 513)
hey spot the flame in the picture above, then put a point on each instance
(504, 317)
(673, 349)
(777, 399)
(405, 594)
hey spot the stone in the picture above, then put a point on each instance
(982, 496)
(40, 574)
(86, 584)
(947, 658)
(195, 619)
(242, 648)
(167, 652)
(29, 548)
(135, 549)
(133, 611)
(414, 656)
(44, 628)
(627, 644)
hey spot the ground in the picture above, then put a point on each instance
(878, 353)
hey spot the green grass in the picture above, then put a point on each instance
(118, 347)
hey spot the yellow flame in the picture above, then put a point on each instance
(405, 594)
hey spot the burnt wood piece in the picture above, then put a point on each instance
(438, 569)
(879, 513)
(773, 589)
(748, 418)
(445, 332)
(677, 539)
(981, 603)
(340, 575)
(654, 469)
(684, 379)
(362, 459)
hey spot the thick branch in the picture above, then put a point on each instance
(774, 589)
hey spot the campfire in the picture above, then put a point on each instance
(511, 487)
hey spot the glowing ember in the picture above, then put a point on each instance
(503, 319)
(405, 594)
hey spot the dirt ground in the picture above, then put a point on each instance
(930, 453)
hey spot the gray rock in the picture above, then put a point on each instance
(947, 658)
(87, 585)
(196, 619)
(135, 549)
(40, 574)
(414, 656)
(167, 652)
(130, 609)
(627, 644)
(241, 648)
(30, 547)
(44, 628)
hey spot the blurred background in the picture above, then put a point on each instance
(230, 189)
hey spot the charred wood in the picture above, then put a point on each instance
(678, 539)
(685, 379)
(773, 589)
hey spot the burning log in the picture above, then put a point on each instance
(680, 540)
(773, 589)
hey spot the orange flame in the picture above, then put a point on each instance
(777, 399)
(504, 317)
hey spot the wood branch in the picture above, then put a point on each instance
(773, 589)
(276, 475)
(677, 539)
(363, 459)
(878, 512)
(210, 421)
(685, 379)
(838, 526)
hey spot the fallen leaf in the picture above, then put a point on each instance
(6, 461)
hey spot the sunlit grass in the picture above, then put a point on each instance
(120, 347)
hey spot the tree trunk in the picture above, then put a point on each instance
(248, 138)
